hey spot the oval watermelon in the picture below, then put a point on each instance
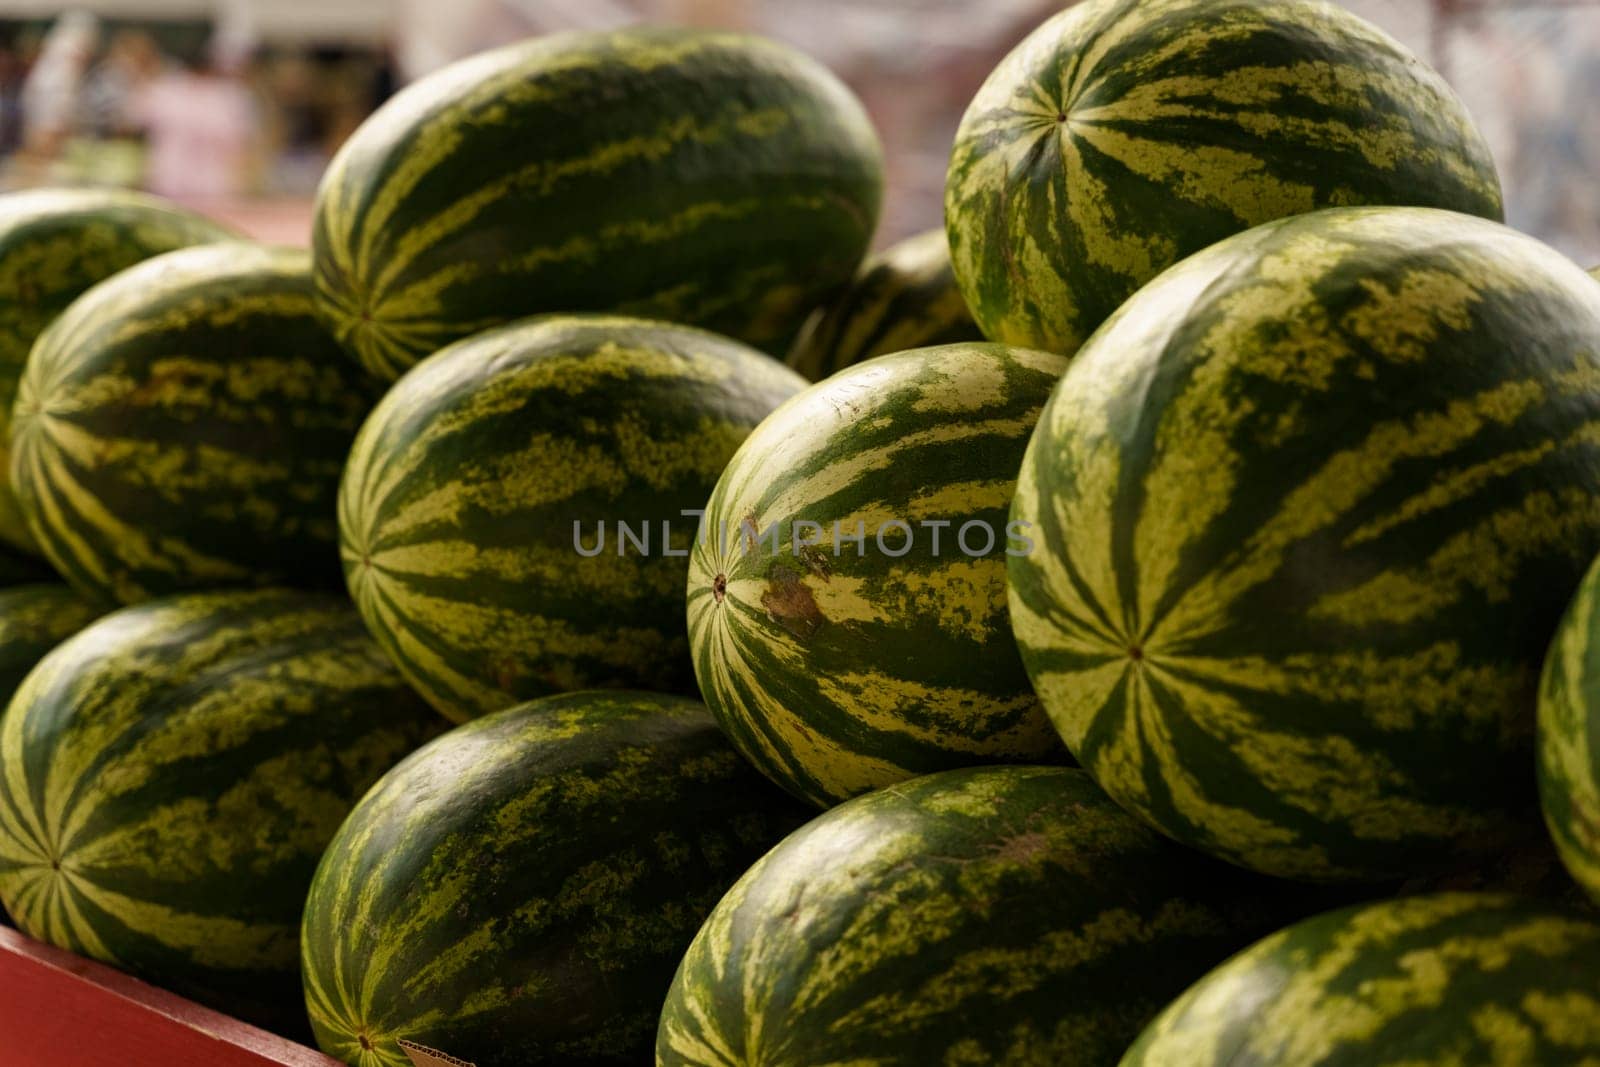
(1457, 978)
(999, 915)
(1124, 135)
(183, 426)
(1309, 508)
(905, 297)
(839, 666)
(518, 891)
(483, 507)
(54, 245)
(169, 777)
(709, 178)
(1569, 747)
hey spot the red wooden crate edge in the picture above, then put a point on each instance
(61, 1010)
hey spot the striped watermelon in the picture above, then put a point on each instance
(1569, 736)
(169, 777)
(1308, 509)
(183, 426)
(55, 244)
(999, 915)
(904, 297)
(1124, 135)
(838, 667)
(482, 504)
(704, 177)
(518, 891)
(1457, 978)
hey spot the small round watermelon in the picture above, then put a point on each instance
(1308, 511)
(518, 892)
(847, 604)
(1456, 978)
(183, 426)
(904, 297)
(994, 915)
(517, 512)
(1124, 135)
(54, 245)
(169, 778)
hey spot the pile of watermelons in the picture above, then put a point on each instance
(1160, 571)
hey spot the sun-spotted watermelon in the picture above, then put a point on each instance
(703, 177)
(170, 775)
(1124, 135)
(518, 891)
(1457, 978)
(904, 297)
(1001, 915)
(54, 245)
(846, 601)
(1308, 510)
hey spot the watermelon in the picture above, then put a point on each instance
(839, 665)
(518, 891)
(516, 512)
(170, 775)
(984, 915)
(1569, 736)
(1309, 508)
(704, 177)
(1456, 978)
(183, 426)
(905, 297)
(1124, 135)
(55, 244)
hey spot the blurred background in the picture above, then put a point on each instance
(235, 106)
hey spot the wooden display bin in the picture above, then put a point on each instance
(61, 1010)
